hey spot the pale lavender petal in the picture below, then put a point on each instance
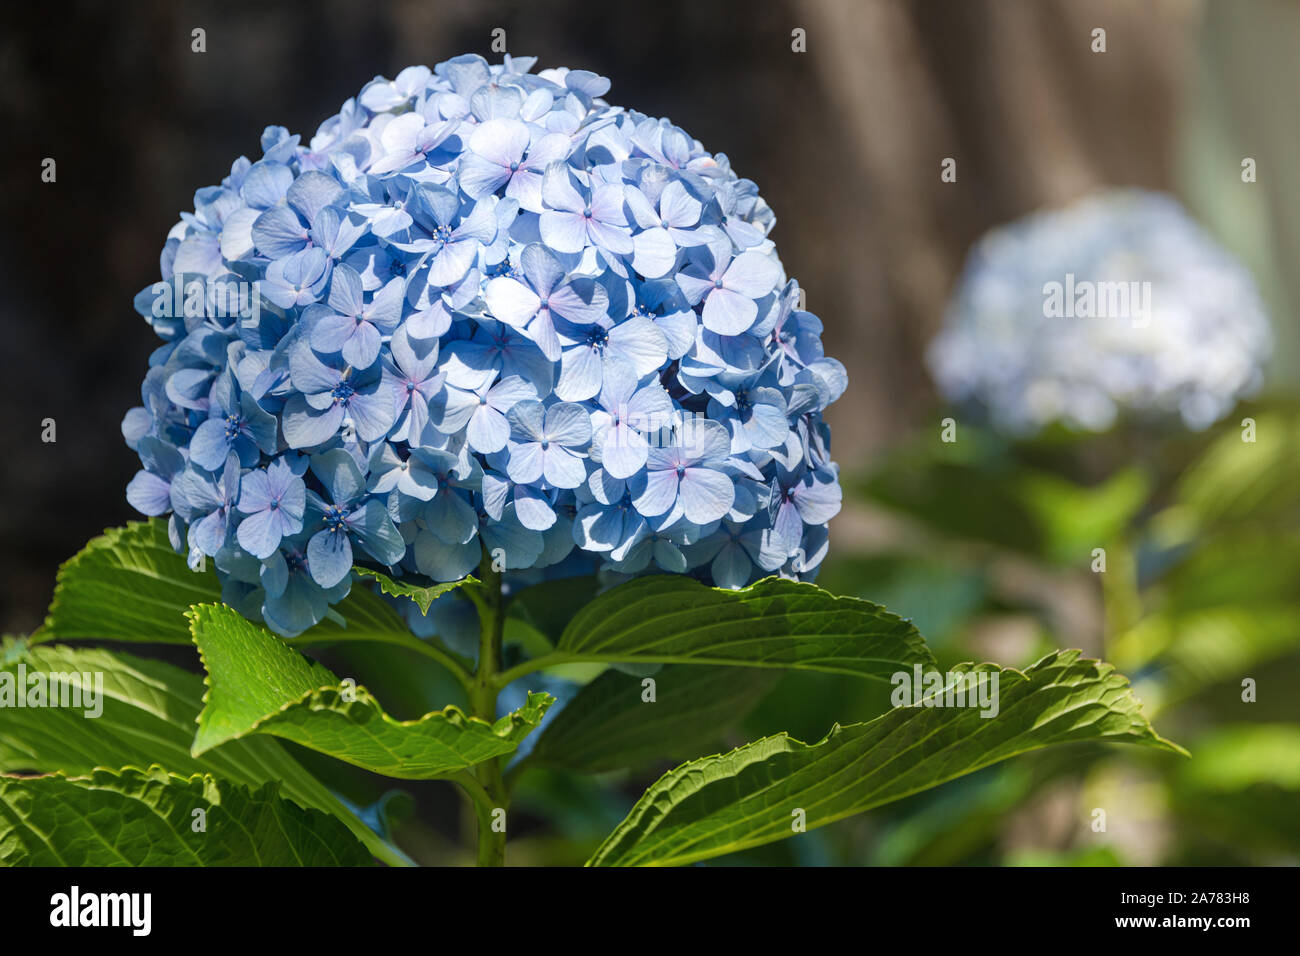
(558, 192)
(527, 419)
(706, 495)
(568, 424)
(373, 413)
(614, 238)
(259, 534)
(533, 510)
(677, 207)
(563, 231)
(654, 492)
(729, 313)
(149, 494)
(639, 342)
(329, 557)
(451, 264)
(501, 141)
(563, 469)
(305, 427)
(694, 287)
(525, 463)
(331, 333)
(653, 253)
(752, 274)
(511, 389)
(481, 177)
(511, 301)
(542, 270)
(624, 451)
(488, 430)
(818, 498)
(731, 568)
(208, 446)
(580, 374)
(581, 301)
(362, 348)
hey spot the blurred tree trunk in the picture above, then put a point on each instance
(1012, 91)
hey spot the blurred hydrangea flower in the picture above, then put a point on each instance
(1119, 304)
(481, 311)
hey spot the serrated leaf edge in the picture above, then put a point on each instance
(1065, 656)
(503, 727)
(423, 601)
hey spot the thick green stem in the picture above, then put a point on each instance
(491, 841)
(483, 700)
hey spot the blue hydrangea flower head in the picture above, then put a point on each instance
(1118, 305)
(481, 312)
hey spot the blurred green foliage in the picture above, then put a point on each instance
(1199, 602)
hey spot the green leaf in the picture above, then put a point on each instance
(127, 585)
(608, 725)
(774, 623)
(148, 710)
(439, 744)
(251, 674)
(257, 684)
(147, 818)
(748, 797)
(422, 596)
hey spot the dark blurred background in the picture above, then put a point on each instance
(845, 141)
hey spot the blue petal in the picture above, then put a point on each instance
(329, 557)
(209, 446)
(260, 534)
